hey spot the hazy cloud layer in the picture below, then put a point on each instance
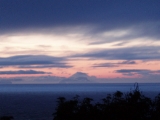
(102, 15)
(10, 80)
(99, 30)
(129, 53)
(128, 62)
(24, 72)
(34, 61)
(132, 72)
(58, 65)
(79, 77)
(4, 81)
(144, 31)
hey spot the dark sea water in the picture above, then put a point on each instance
(38, 102)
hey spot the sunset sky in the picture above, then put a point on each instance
(113, 40)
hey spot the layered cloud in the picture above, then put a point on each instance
(98, 15)
(143, 72)
(129, 53)
(95, 37)
(23, 72)
(34, 61)
(58, 65)
(81, 77)
(128, 62)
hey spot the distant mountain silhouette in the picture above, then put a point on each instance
(79, 77)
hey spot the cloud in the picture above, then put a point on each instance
(129, 53)
(105, 65)
(78, 77)
(81, 77)
(44, 79)
(28, 60)
(34, 61)
(23, 72)
(144, 31)
(132, 72)
(128, 62)
(10, 80)
(3, 81)
(102, 15)
(60, 65)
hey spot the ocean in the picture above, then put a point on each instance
(38, 101)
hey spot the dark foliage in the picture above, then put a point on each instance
(119, 106)
(6, 118)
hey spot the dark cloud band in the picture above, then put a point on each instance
(128, 62)
(132, 72)
(34, 61)
(22, 72)
(129, 53)
(106, 14)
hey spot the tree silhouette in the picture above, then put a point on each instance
(6, 118)
(118, 106)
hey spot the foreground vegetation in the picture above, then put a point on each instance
(6, 118)
(118, 106)
(132, 105)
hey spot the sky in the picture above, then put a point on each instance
(46, 41)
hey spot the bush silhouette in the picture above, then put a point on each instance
(132, 105)
(6, 118)
(118, 106)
